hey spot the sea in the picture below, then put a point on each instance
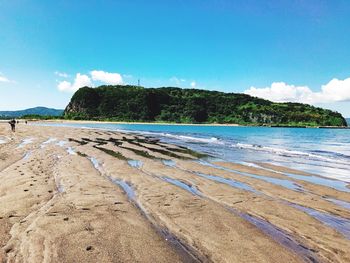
(324, 152)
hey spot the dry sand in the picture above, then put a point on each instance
(71, 195)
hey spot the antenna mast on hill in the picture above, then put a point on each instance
(138, 82)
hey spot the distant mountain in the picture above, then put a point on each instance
(130, 103)
(348, 121)
(43, 111)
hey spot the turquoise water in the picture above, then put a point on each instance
(321, 151)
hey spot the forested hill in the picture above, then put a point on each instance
(130, 103)
(42, 111)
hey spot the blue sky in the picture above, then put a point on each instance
(296, 50)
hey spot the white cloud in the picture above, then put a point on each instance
(334, 91)
(184, 82)
(4, 79)
(79, 81)
(82, 80)
(106, 77)
(280, 92)
(177, 80)
(61, 74)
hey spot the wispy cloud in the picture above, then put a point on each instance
(61, 74)
(127, 76)
(334, 91)
(4, 78)
(176, 80)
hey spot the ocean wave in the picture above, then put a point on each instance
(331, 157)
(341, 155)
(194, 139)
(178, 136)
(290, 153)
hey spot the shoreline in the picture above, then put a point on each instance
(181, 124)
(140, 123)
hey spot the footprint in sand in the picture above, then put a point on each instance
(8, 250)
(89, 248)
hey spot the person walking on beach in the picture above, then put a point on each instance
(13, 125)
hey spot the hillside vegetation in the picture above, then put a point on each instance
(130, 103)
(37, 111)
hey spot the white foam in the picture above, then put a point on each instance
(50, 140)
(25, 142)
(321, 180)
(95, 163)
(170, 163)
(195, 139)
(174, 136)
(135, 163)
(286, 152)
(61, 143)
(249, 164)
(71, 151)
(4, 139)
(26, 156)
(186, 138)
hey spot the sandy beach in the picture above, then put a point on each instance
(88, 195)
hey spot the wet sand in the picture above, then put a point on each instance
(83, 195)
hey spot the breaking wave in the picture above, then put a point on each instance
(332, 156)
